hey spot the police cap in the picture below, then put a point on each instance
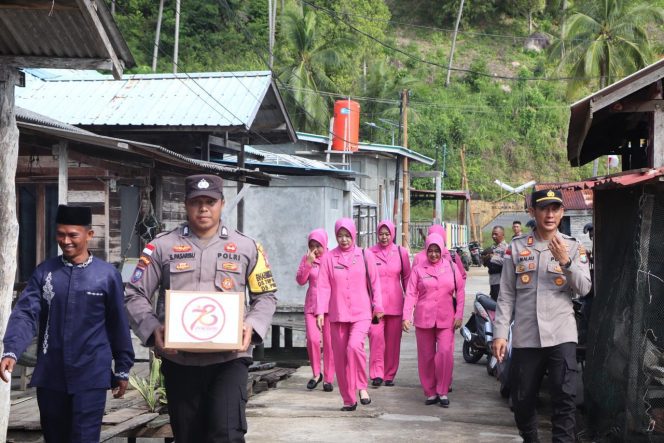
(204, 185)
(546, 197)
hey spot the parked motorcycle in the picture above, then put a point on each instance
(474, 249)
(478, 332)
(464, 254)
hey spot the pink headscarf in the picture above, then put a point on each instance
(438, 229)
(390, 227)
(349, 225)
(320, 236)
(436, 239)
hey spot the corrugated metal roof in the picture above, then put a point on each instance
(155, 152)
(29, 116)
(204, 99)
(372, 147)
(360, 197)
(573, 199)
(287, 164)
(579, 194)
(71, 33)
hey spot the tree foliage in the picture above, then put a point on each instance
(513, 130)
(606, 40)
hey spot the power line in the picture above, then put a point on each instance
(177, 76)
(434, 28)
(337, 17)
(251, 37)
(412, 102)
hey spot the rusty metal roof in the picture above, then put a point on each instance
(574, 199)
(598, 123)
(579, 194)
(77, 34)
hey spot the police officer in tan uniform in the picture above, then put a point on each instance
(207, 392)
(542, 272)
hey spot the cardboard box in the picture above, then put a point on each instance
(204, 321)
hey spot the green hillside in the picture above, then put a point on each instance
(509, 107)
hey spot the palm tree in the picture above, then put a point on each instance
(607, 40)
(312, 60)
(384, 83)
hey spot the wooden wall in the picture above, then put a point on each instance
(172, 208)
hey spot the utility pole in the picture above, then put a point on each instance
(405, 206)
(468, 210)
(155, 51)
(272, 23)
(177, 37)
(454, 36)
(444, 171)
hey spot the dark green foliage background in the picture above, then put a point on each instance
(513, 130)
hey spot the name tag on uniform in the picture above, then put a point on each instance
(204, 321)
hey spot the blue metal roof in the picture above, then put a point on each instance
(287, 164)
(372, 147)
(205, 99)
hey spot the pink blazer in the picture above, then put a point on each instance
(309, 273)
(421, 257)
(430, 293)
(342, 286)
(392, 276)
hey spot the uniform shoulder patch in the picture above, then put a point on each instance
(261, 279)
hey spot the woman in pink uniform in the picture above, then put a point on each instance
(308, 273)
(393, 264)
(349, 290)
(422, 255)
(430, 291)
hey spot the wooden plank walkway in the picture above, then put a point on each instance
(127, 417)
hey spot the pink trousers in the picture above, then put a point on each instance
(385, 347)
(349, 357)
(435, 359)
(313, 347)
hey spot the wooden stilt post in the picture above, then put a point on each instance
(8, 223)
(405, 206)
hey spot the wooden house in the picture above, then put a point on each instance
(624, 389)
(63, 163)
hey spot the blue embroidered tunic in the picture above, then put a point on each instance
(78, 312)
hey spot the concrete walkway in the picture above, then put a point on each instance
(477, 412)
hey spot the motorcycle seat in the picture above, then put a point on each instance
(486, 302)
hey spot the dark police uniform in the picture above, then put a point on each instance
(539, 290)
(78, 312)
(207, 392)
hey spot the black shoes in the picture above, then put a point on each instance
(365, 400)
(444, 401)
(377, 382)
(349, 408)
(389, 383)
(431, 401)
(327, 387)
(313, 382)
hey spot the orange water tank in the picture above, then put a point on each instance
(346, 129)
